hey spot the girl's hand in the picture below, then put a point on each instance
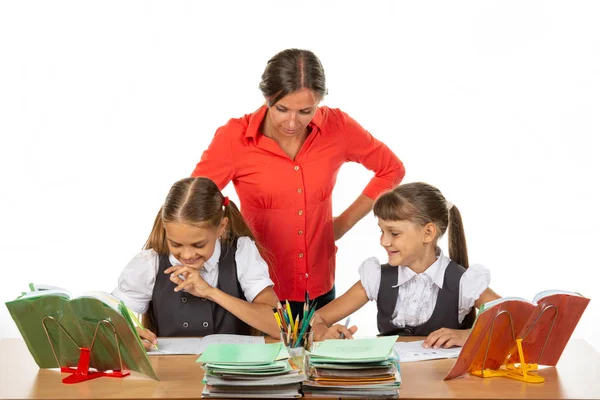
(148, 338)
(446, 338)
(192, 282)
(337, 331)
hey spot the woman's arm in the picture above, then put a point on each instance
(363, 148)
(217, 161)
(346, 220)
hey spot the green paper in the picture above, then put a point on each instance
(373, 349)
(241, 353)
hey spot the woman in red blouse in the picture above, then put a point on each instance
(283, 160)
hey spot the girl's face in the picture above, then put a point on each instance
(290, 116)
(406, 242)
(192, 245)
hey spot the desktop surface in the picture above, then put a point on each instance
(577, 376)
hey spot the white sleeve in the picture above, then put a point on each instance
(136, 282)
(473, 282)
(252, 270)
(370, 277)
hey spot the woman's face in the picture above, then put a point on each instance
(290, 116)
(192, 245)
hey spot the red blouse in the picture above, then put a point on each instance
(286, 202)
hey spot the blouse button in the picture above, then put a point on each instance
(301, 255)
(184, 299)
(299, 190)
(300, 232)
(306, 275)
(296, 167)
(185, 324)
(204, 299)
(205, 324)
(300, 212)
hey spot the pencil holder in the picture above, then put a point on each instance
(306, 340)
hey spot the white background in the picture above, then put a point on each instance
(103, 105)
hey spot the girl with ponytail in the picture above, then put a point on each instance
(419, 291)
(201, 271)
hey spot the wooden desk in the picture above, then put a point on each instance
(577, 376)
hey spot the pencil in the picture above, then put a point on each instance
(284, 318)
(289, 311)
(276, 314)
(295, 335)
(138, 323)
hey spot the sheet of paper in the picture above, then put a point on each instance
(172, 346)
(167, 346)
(414, 351)
(229, 339)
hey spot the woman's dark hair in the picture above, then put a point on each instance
(289, 71)
(422, 203)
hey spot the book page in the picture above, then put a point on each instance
(47, 292)
(104, 297)
(551, 292)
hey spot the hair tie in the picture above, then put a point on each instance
(449, 205)
(225, 201)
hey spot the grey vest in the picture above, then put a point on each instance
(181, 314)
(445, 312)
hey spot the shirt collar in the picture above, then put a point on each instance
(257, 117)
(210, 264)
(435, 271)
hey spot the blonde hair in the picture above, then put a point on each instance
(422, 203)
(196, 200)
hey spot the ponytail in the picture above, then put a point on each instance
(457, 243)
(157, 240)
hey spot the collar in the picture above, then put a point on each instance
(210, 264)
(435, 271)
(258, 116)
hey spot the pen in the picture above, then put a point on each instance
(346, 325)
(138, 323)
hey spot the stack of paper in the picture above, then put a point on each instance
(353, 369)
(250, 371)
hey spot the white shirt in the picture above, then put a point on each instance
(136, 282)
(417, 293)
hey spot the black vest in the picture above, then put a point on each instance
(445, 312)
(181, 314)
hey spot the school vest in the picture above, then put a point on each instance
(182, 314)
(445, 312)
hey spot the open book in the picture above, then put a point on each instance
(544, 325)
(55, 325)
